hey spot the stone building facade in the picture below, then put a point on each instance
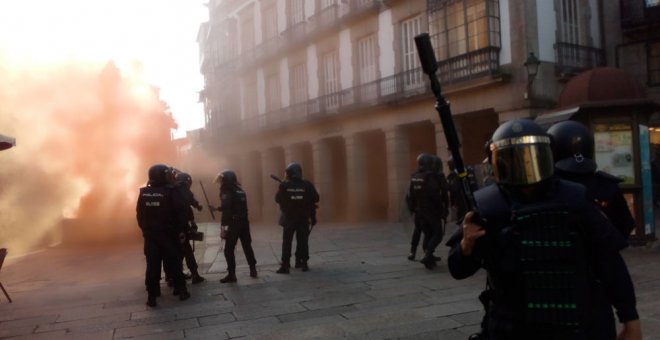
(336, 86)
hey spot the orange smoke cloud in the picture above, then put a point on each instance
(86, 135)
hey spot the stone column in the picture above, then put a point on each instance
(269, 165)
(357, 177)
(398, 175)
(250, 179)
(323, 179)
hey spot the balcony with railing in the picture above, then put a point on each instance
(637, 14)
(297, 35)
(403, 86)
(573, 59)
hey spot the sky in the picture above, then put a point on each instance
(156, 38)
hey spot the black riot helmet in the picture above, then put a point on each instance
(520, 153)
(226, 177)
(436, 164)
(182, 177)
(160, 174)
(573, 147)
(293, 170)
(424, 162)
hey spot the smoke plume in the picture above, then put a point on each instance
(85, 137)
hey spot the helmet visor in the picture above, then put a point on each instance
(522, 160)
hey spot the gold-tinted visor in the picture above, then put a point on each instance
(522, 160)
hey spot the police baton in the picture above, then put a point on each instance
(208, 204)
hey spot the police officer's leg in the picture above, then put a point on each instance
(416, 235)
(191, 262)
(434, 225)
(246, 243)
(230, 246)
(302, 245)
(152, 274)
(287, 239)
(171, 252)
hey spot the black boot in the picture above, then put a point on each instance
(253, 270)
(151, 301)
(196, 278)
(304, 266)
(231, 277)
(298, 263)
(284, 268)
(413, 251)
(183, 294)
(428, 261)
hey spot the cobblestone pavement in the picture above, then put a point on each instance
(360, 286)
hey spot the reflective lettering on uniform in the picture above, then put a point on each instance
(152, 194)
(153, 204)
(295, 190)
(297, 197)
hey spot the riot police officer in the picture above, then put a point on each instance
(162, 221)
(552, 258)
(235, 223)
(184, 182)
(573, 147)
(297, 199)
(425, 201)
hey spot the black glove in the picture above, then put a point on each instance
(193, 226)
(200, 208)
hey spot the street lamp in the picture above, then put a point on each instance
(532, 65)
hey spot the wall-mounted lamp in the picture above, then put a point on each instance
(532, 65)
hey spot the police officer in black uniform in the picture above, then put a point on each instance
(160, 216)
(424, 166)
(184, 182)
(552, 258)
(573, 147)
(235, 221)
(425, 201)
(297, 199)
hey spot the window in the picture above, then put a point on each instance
(327, 3)
(459, 27)
(330, 78)
(296, 13)
(569, 14)
(273, 98)
(298, 80)
(654, 63)
(249, 100)
(367, 67)
(247, 35)
(367, 59)
(270, 29)
(652, 3)
(410, 61)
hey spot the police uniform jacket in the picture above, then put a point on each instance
(160, 210)
(233, 205)
(297, 199)
(611, 282)
(427, 195)
(603, 189)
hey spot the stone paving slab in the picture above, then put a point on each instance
(360, 286)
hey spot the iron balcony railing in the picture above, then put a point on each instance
(573, 59)
(402, 86)
(474, 64)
